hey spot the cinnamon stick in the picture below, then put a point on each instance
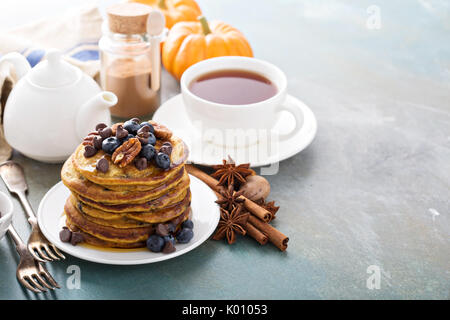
(253, 232)
(206, 178)
(256, 210)
(251, 206)
(275, 236)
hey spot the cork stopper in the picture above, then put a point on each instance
(128, 17)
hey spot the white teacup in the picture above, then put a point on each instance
(237, 120)
(6, 210)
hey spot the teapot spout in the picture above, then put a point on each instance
(94, 111)
(19, 62)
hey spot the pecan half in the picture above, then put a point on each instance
(89, 139)
(161, 131)
(126, 153)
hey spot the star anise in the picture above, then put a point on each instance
(230, 223)
(230, 174)
(228, 199)
(269, 206)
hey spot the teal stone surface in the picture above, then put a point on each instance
(369, 197)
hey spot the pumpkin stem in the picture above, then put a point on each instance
(204, 24)
(162, 4)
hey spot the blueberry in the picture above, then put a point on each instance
(155, 243)
(169, 238)
(185, 235)
(110, 144)
(162, 160)
(128, 137)
(131, 126)
(188, 224)
(151, 139)
(145, 123)
(148, 151)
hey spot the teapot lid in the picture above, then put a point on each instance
(54, 72)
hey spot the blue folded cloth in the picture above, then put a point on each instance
(83, 52)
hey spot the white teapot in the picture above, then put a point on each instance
(52, 107)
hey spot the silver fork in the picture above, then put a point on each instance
(30, 272)
(14, 178)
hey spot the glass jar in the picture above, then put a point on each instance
(125, 57)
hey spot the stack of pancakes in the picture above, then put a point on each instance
(122, 207)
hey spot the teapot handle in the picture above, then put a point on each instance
(19, 62)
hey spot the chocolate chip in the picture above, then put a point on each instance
(137, 120)
(141, 163)
(171, 227)
(166, 148)
(77, 238)
(65, 235)
(89, 151)
(143, 141)
(162, 230)
(98, 143)
(168, 247)
(121, 133)
(102, 165)
(105, 133)
(100, 126)
(144, 129)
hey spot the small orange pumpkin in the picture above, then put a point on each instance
(190, 42)
(175, 10)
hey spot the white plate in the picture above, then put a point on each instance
(205, 215)
(172, 114)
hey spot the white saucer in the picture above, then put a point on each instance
(205, 215)
(172, 114)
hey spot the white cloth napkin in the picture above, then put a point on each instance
(75, 33)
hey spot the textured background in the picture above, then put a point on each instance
(372, 189)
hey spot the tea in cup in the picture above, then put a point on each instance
(231, 100)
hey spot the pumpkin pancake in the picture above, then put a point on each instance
(162, 215)
(130, 175)
(115, 237)
(89, 239)
(170, 198)
(78, 184)
(108, 233)
(120, 223)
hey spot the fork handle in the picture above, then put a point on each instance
(27, 206)
(16, 238)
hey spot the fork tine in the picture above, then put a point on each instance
(52, 281)
(43, 281)
(59, 253)
(36, 284)
(36, 256)
(27, 285)
(49, 252)
(43, 253)
(52, 251)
